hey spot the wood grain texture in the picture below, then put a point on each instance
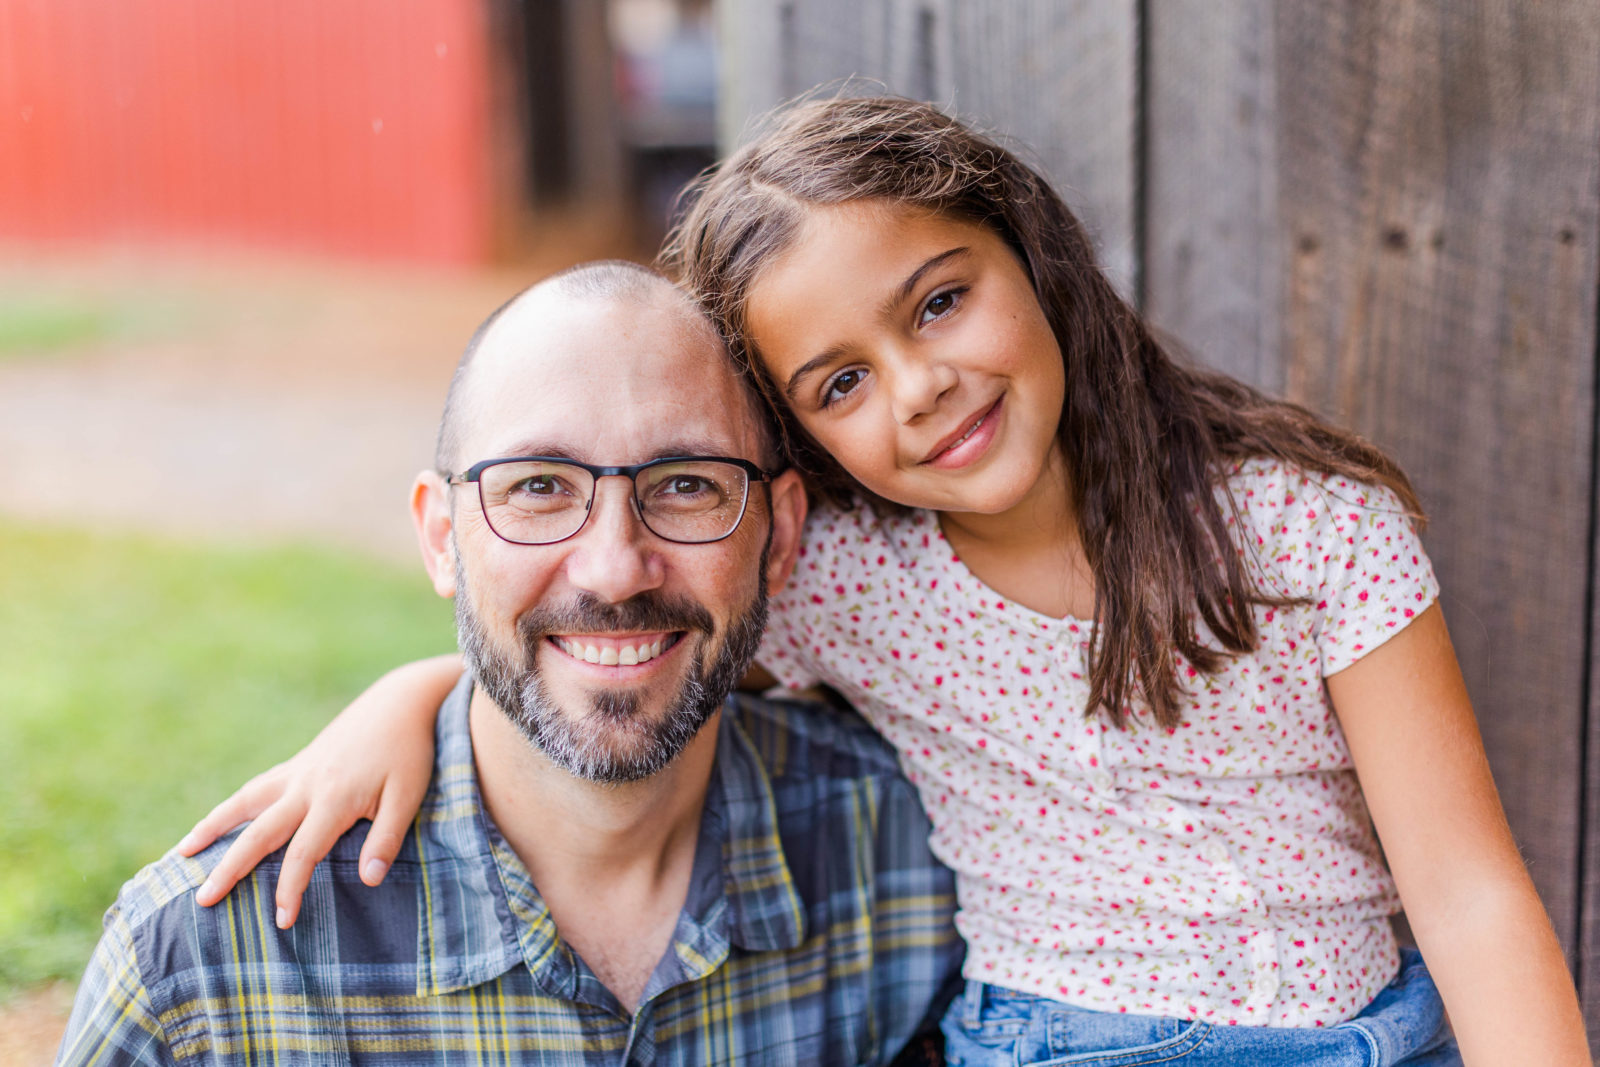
(1390, 212)
(1057, 80)
(1061, 79)
(1437, 166)
(1213, 269)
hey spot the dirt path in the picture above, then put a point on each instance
(247, 401)
(242, 399)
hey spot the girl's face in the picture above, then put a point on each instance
(912, 347)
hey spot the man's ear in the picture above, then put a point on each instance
(788, 522)
(430, 514)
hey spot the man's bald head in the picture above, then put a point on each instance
(616, 283)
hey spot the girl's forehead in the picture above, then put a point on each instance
(854, 255)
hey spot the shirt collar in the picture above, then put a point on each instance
(481, 914)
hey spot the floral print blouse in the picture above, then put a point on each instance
(1223, 870)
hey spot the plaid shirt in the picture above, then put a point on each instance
(816, 930)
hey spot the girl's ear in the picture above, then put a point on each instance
(788, 520)
(430, 514)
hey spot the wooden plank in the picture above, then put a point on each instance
(1438, 197)
(1588, 962)
(1213, 269)
(1057, 79)
(1061, 78)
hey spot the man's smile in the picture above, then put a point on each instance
(611, 650)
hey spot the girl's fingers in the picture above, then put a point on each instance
(313, 841)
(251, 799)
(396, 808)
(270, 830)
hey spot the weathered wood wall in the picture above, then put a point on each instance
(1387, 211)
(1005, 66)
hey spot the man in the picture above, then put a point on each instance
(615, 863)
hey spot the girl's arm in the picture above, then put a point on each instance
(373, 761)
(1470, 902)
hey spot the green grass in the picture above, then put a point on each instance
(47, 327)
(37, 321)
(143, 681)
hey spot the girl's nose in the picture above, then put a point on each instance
(918, 385)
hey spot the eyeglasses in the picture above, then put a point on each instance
(539, 500)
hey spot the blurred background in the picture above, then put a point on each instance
(243, 241)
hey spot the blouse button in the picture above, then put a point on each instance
(1214, 852)
(1101, 780)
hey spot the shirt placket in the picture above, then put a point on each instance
(1088, 752)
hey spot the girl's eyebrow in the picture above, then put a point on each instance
(910, 284)
(792, 386)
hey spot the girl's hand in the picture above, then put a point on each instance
(373, 761)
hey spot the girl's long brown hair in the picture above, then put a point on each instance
(1148, 439)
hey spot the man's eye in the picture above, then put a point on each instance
(684, 484)
(840, 385)
(939, 305)
(541, 486)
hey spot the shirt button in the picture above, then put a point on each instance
(1214, 852)
(1101, 781)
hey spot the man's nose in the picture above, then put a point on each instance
(614, 556)
(916, 384)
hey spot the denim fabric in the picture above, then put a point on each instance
(993, 1027)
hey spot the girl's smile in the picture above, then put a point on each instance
(970, 445)
(912, 347)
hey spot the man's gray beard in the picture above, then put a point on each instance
(612, 741)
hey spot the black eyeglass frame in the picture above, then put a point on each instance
(474, 473)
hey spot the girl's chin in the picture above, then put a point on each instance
(962, 500)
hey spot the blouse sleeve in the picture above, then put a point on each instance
(794, 623)
(1349, 549)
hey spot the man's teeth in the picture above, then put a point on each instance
(610, 656)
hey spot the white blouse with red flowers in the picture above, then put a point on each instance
(1224, 870)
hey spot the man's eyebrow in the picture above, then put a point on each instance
(791, 388)
(539, 448)
(676, 447)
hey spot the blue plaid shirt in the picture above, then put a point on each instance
(817, 929)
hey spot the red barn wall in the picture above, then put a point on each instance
(356, 127)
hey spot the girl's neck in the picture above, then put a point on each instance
(1032, 552)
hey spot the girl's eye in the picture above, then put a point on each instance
(839, 385)
(939, 305)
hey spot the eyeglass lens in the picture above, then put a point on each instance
(535, 502)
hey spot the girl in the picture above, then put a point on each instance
(1135, 630)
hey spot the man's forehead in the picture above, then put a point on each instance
(607, 374)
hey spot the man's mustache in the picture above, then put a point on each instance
(588, 614)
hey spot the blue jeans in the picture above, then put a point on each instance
(992, 1027)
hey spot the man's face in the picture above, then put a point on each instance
(605, 383)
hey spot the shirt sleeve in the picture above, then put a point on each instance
(1349, 549)
(917, 953)
(113, 1020)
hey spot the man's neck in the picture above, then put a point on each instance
(612, 862)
